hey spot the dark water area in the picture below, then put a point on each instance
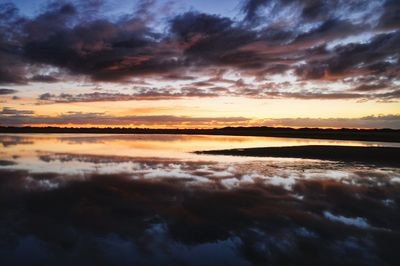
(149, 200)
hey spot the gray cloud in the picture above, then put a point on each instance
(44, 78)
(308, 95)
(313, 39)
(77, 118)
(139, 94)
(380, 121)
(10, 111)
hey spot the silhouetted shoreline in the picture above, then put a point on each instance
(384, 135)
(388, 156)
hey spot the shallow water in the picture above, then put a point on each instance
(147, 199)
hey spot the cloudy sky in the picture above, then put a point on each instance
(200, 63)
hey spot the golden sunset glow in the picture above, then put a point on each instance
(195, 66)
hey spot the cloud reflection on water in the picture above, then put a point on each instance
(90, 209)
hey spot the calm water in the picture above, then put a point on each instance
(71, 199)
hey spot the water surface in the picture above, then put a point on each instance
(148, 200)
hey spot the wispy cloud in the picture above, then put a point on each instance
(13, 117)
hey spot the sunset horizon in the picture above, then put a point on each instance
(202, 64)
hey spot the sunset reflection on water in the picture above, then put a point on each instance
(147, 199)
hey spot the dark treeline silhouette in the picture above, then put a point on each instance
(388, 135)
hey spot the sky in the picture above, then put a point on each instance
(200, 63)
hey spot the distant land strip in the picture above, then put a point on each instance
(384, 135)
(387, 156)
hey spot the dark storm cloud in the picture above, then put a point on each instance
(211, 39)
(329, 30)
(310, 39)
(44, 78)
(99, 48)
(372, 58)
(391, 17)
(370, 87)
(306, 10)
(63, 37)
(11, 63)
